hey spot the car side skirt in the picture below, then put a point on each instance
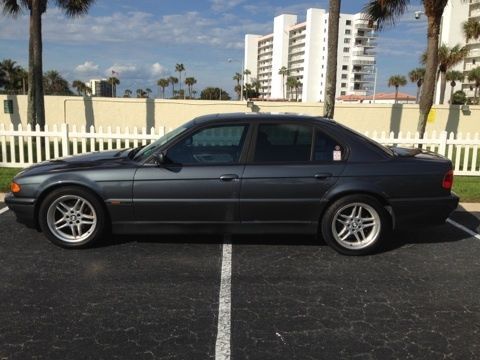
(142, 227)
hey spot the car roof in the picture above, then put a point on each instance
(256, 117)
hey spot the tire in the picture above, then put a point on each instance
(355, 225)
(72, 217)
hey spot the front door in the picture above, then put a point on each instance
(200, 182)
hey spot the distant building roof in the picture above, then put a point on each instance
(378, 96)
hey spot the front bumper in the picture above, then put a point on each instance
(24, 209)
(423, 211)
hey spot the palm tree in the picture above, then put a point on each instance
(127, 93)
(416, 76)
(397, 81)
(238, 77)
(247, 73)
(36, 8)
(384, 13)
(180, 68)
(163, 83)
(11, 75)
(453, 76)
(474, 76)
(294, 83)
(173, 80)
(471, 29)
(113, 81)
(190, 81)
(447, 58)
(79, 86)
(55, 84)
(284, 72)
(331, 81)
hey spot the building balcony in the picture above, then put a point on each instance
(365, 79)
(366, 35)
(361, 61)
(473, 53)
(364, 24)
(364, 53)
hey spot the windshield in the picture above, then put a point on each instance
(150, 149)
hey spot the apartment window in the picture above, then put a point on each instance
(348, 32)
(344, 85)
(348, 22)
(344, 76)
(346, 49)
(343, 93)
(346, 41)
(344, 67)
(474, 61)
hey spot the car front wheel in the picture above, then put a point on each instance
(355, 225)
(72, 217)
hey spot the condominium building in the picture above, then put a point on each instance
(101, 87)
(456, 13)
(302, 48)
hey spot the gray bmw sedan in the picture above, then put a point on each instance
(240, 173)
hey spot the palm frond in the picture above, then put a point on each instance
(75, 8)
(384, 13)
(11, 7)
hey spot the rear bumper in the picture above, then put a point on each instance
(427, 211)
(24, 209)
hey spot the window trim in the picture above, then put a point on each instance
(198, 128)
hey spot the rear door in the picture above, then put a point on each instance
(290, 168)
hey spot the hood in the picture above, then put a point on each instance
(85, 161)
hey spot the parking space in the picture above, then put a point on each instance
(291, 298)
(132, 300)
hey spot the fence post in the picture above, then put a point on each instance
(442, 149)
(65, 140)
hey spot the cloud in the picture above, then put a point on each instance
(224, 5)
(86, 67)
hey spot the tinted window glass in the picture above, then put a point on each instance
(326, 148)
(283, 142)
(219, 144)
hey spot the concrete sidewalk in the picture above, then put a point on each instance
(470, 207)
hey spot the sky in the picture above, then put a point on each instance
(142, 40)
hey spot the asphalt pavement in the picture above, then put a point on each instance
(291, 297)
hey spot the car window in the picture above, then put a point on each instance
(283, 143)
(217, 144)
(326, 148)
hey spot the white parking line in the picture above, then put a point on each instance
(2, 210)
(461, 227)
(222, 345)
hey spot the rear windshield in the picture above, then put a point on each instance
(373, 143)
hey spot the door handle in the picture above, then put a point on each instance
(322, 176)
(229, 177)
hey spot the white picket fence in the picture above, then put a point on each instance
(22, 147)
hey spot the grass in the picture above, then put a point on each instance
(467, 187)
(6, 176)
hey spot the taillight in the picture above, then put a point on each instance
(447, 182)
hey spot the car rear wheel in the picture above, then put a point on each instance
(72, 217)
(355, 225)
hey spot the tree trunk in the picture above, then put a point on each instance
(396, 94)
(418, 93)
(36, 15)
(451, 93)
(443, 86)
(428, 92)
(331, 82)
(31, 113)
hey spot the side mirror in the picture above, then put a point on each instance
(160, 158)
